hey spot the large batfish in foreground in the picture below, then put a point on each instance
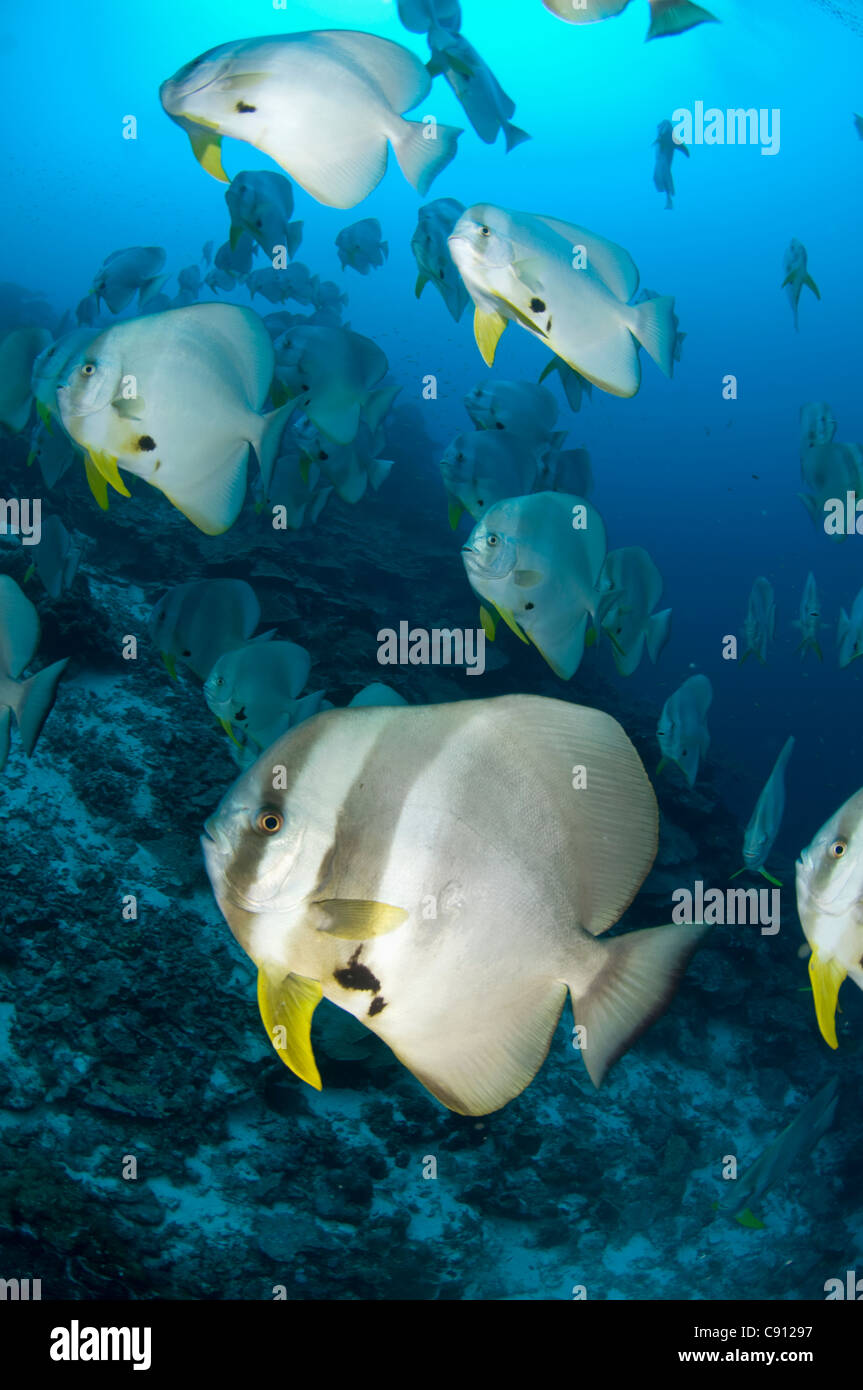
(473, 808)
(325, 105)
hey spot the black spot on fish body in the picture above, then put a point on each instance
(243, 108)
(146, 443)
(537, 305)
(548, 325)
(356, 976)
(186, 653)
(499, 426)
(528, 607)
(241, 715)
(377, 1004)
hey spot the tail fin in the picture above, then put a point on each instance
(33, 701)
(653, 326)
(269, 437)
(658, 633)
(635, 984)
(150, 288)
(378, 404)
(378, 471)
(675, 17)
(422, 155)
(514, 136)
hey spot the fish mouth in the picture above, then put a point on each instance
(216, 850)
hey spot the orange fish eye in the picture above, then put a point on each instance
(838, 848)
(269, 822)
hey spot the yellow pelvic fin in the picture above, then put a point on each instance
(354, 919)
(236, 233)
(511, 623)
(106, 465)
(304, 467)
(207, 149)
(44, 415)
(229, 730)
(286, 1010)
(170, 665)
(280, 394)
(487, 622)
(31, 570)
(98, 486)
(454, 512)
(487, 328)
(31, 458)
(749, 1220)
(826, 976)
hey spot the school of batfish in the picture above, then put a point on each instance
(345, 822)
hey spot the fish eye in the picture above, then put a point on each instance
(88, 369)
(492, 539)
(268, 821)
(838, 848)
(485, 231)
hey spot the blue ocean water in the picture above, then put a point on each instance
(142, 1037)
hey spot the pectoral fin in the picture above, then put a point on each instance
(487, 329)
(826, 976)
(355, 919)
(286, 1010)
(527, 579)
(529, 272)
